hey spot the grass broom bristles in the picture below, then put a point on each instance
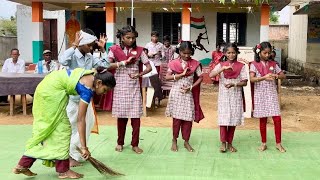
(102, 168)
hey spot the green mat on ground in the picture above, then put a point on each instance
(302, 160)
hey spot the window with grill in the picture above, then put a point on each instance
(231, 28)
(167, 24)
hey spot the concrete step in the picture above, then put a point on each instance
(290, 75)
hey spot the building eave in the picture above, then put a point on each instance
(80, 4)
(312, 8)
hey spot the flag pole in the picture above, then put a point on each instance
(132, 13)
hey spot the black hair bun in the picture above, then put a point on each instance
(101, 69)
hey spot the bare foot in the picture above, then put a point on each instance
(119, 148)
(280, 148)
(70, 175)
(231, 148)
(223, 147)
(74, 163)
(174, 146)
(21, 170)
(137, 150)
(263, 147)
(188, 146)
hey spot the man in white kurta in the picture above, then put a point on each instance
(47, 63)
(13, 65)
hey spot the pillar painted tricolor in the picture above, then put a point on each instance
(37, 31)
(186, 14)
(264, 23)
(110, 23)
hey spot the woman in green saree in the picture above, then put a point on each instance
(51, 127)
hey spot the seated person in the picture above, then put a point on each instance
(47, 63)
(13, 65)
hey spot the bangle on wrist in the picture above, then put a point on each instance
(174, 76)
(74, 44)
(235, 84)
(85, 148)
(191, 87)
(118, 64)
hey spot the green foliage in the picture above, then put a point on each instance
(9, 26)
(274, 17)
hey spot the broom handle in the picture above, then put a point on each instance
(78, 149)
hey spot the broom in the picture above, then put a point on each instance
(102, 168)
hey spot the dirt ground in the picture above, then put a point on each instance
(300, 108)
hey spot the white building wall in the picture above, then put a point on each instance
(252, 34)
(24, 33)
(143, 26)
(298, 36)
(211, 24)
(253, 29)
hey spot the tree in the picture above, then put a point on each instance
(9, 26)
(274, 17)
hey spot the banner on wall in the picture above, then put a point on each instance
(200, 24)
(72, 26)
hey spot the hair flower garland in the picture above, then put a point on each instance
(258, 49)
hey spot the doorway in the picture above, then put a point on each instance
(96, 21)
(50, 36)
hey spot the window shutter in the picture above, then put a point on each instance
(166, 24)
(242, 29)
(157, 22)
(231, 26)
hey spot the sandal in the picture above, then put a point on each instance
(25, 171)
(137, 150)
(66, 175)
(223, 148)
(119, 148)
(188, 147)
(280, 148)
(74, 163)
(263, 147)
(174, 146)
(231, 148)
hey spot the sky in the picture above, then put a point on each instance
(284, 15)
(8, 9)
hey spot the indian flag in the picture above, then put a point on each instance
(198, 23)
